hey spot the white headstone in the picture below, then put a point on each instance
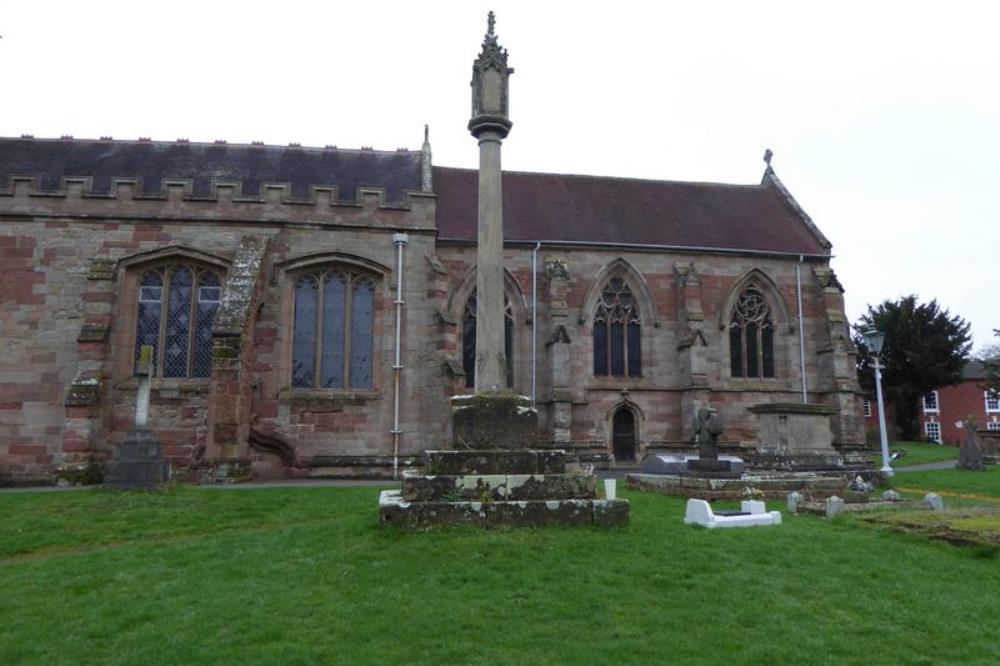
(834, 506)
(794, 498)
(935, 501)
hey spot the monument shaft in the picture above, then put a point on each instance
(491, 361)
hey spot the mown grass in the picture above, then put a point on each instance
(305, 575)
(976, 487)
(920, 453)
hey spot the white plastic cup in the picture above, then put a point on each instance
(609, 488)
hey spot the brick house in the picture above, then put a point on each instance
(944, 411)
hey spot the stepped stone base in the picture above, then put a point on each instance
(523, 461)
(497, 487)
(395, 510)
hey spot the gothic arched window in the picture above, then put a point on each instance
(751, 336)
(616, 332)
(176, 308)
(469, 340)
(333, 336)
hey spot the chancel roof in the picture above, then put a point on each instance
(50, 160)
(537, 206)
(593, 209)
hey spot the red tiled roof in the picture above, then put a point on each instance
(557, 207)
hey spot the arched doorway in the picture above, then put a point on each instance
(623, 438)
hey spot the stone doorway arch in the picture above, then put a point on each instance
(624, 435)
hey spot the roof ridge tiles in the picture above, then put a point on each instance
(630, 179)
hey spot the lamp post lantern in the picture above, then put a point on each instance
(874, 340)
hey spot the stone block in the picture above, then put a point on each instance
(495, 462)
(611, 513)
(498, 420)
(138, 463)
(540, 513)
(552, 486)
(393, 510)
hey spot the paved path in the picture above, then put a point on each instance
(304, 483)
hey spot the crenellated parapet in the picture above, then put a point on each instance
(216, 182)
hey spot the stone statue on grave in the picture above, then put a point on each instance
(707, 428)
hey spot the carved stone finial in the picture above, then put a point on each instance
(490, 75)
(767, 156)
(427, 133)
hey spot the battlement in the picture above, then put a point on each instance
(217, 181)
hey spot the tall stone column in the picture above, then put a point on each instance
(490, 125)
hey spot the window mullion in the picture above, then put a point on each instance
(164, 315)
(192, 323)
(320, 315)
(348, 312)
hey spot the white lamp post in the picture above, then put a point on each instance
(874, 340)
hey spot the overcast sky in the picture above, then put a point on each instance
(884, 117)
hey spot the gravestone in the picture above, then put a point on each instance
(707, 428)
(138, 462)
(970, 455)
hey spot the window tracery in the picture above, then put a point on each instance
(617, 347)
(751, 336)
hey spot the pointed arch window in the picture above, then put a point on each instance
(176, 308)
(469, 340)
(333, 336)
(751, 336)
(617, 347)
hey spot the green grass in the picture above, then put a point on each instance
(305, 575)
(976, 486)
(919, 453)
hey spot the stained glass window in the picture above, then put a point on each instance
(469, 340)
(176, 307)
(751, 336)
(333, 337)
(617, 347)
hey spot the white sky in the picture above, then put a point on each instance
(884, 117)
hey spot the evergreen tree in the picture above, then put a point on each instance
(925, 348)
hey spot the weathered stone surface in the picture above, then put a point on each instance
(611, 513)
(495, 462)
(394, 510)
(554, 486)
(496, 487)
(496, 420)
(138, 463)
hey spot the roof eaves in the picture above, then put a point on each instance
(770, 178)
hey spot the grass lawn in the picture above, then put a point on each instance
(919, 453)
(978, 487)
(289, 576)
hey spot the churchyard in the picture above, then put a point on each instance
(305, 575)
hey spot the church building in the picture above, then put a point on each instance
(312, 310)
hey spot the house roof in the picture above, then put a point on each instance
(50, 160)
(559, 207)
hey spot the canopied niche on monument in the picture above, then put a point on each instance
(490, 75)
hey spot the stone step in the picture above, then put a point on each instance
(497, 487)
(394, 510)
(521, 461)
